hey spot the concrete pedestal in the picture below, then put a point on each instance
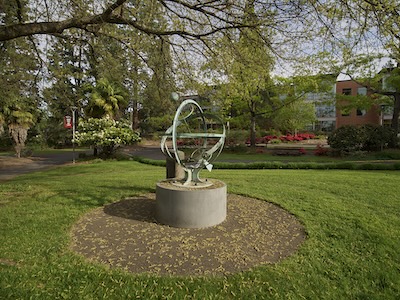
(190, 207)
(174, 170)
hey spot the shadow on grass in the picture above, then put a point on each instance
(103, 195)
(49, 187)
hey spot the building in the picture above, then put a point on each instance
(325, 109)
(355, 116)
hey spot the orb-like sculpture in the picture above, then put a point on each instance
(190, 131)
(192, 202)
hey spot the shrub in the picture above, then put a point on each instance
(275, 141)
(350, 139)
(388, 154)
(378, 137)
(236, 137)
(105, 133)
(154, 124)
(239, 148)
(346, 139)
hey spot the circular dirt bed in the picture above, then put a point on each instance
(126, 235)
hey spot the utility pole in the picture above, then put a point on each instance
(73, 108)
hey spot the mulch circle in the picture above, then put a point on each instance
(126, 235)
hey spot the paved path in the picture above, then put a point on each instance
(11, 167)
(151, 152)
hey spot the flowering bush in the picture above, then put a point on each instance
(284, 138)
(105, 133)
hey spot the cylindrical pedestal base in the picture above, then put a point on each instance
(190, 207)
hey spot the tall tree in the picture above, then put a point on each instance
(19, 97)
(295, 116)
(246, 61)
(68, 75)
(161, 83)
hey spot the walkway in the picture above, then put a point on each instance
(10, 166)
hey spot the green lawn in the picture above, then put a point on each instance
(352, 220)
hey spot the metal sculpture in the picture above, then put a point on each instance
(190, 123)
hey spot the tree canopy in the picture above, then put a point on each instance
(26, 18)
(149, 48)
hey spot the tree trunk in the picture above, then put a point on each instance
(396, 113)
(135, 107)
(135, 118)
(253, 130)
(19, 134)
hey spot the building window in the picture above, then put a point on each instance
(361, 112)
(346, 91)
(345, 113)
(362, 91)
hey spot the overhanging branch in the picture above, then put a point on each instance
(108, 16)
(9, 32)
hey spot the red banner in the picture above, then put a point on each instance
(67, 122)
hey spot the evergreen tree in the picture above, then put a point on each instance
(19, 97)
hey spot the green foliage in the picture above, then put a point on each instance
(378, 137)
(240, 121)
(245, 59)
(392, 79)
(347, 139)
(107, 99)
(105, 133)
(19, 99)
(236, 137)
(346, 165)
(155, 124)
(388, 154)
(295, 116)
(160, 85)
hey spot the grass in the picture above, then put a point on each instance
(352, 220)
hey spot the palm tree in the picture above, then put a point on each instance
(107, 100)
(19, 122)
